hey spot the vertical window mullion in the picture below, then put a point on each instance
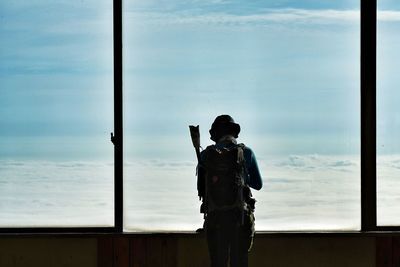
(368, 114)
(118, 126)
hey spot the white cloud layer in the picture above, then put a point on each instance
(269, 16)
(55, 193)
(389, 16)
(301, 192)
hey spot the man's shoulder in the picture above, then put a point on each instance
(247, 149)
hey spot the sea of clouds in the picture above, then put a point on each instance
(301, 192)
(55, 194)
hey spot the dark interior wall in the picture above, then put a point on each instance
(293, 251)
(183, 251)
(47, 252)
(315, 252)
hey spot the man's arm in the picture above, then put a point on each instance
(255, 180)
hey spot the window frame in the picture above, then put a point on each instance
(368, 34)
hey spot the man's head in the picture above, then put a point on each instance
(224, 125)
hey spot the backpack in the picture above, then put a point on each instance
(225, 172)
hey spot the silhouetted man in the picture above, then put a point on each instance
(226, 172)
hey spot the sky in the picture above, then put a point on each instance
(55, 74)
(286, 70)
(287, 74)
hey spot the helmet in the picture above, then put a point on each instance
(223, 125)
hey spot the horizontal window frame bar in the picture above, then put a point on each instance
(57, 230)
(80, 233)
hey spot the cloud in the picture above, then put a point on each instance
(55, 193)
(388, 162)
(261, 17)
(342, 163)
(319, 162)
(389, 16)
(160, 164)
(47, 171)
(53, 38)
(267, 16)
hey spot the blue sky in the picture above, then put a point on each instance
(286, 70)
(55, 74)
(288, 75)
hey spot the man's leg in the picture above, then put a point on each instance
(217, 241)
(242, 243)
(218, 247)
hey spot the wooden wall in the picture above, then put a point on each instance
(19, 251)
(190, 250)
(268, 250)
(388, 251)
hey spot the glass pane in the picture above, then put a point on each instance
(388, 113)
(56, 89)
(287, 71)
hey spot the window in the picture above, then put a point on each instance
(56, 114)
(388, 113)
(288, 73)
(56, 159)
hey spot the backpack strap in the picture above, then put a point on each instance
(240, 156)
(241, 159)
(249, 200)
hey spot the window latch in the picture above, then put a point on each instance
(113, 138)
